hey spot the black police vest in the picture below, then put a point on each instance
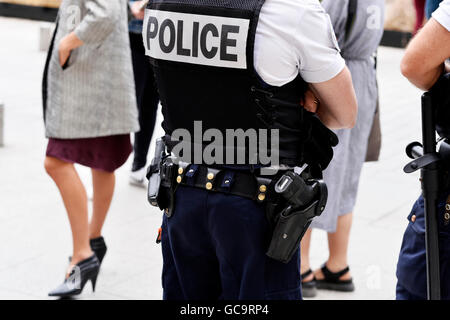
(202, 54)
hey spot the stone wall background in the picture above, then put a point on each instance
(43, 3)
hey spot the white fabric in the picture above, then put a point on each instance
(296, 36)
(442, 14)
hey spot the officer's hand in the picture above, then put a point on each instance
(137, 11)
(311, 103)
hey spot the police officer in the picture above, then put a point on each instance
(423, 65)
(240, 65)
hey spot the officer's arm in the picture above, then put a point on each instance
(101, 19)
(338, 106)
(423, 62)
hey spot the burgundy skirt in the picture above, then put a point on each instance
(103, 153)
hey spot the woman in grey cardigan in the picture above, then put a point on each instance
(358, 37)
(89, 111)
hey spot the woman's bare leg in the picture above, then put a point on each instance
(304, 252)
(338, 247)
(75, 200)
(104, 183)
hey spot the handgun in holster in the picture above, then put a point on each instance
(304, 200)
(161, 174)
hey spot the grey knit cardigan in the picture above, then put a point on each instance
(95, 95)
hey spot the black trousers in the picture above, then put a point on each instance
(147, 100)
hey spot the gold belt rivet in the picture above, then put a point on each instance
(210, 176)
(180, 170)
(263, 188)
(179, 179)
(261, 197)
(209, 186)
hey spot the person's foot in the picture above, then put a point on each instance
(333, 278)
(309, 287)
(318, 274)
(98, 246)
(138, 179)
(77, 277)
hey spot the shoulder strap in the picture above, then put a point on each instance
(352, 8)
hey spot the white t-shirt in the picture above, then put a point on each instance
(442, 14)
(296, 36)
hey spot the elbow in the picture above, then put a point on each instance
(108, 20)
(409, 69)
(415, 73)
(107, 15)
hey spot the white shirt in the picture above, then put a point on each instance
(296, 36)
(442, 14)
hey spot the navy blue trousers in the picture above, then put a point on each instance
(214, 249)
(411, 268)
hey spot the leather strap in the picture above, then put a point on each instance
(306, 274)
(334, 276)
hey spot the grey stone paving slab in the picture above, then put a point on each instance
(35, 237)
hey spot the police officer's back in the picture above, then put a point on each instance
(231, 76)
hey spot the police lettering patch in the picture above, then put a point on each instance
(197, 39)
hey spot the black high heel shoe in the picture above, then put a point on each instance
(98, 245)
(86, 270)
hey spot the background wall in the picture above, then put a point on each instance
(400, 15)
(43, 3)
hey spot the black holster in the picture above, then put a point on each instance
(161, 175)
(293, 222)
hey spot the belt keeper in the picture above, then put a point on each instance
(263, 188)
(182, 168)
(190, 174)
(210, 178)
(228, 180)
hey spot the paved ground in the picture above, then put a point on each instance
(34, 233)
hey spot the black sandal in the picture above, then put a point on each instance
(332, 281)
(309, 288)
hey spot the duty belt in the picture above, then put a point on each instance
(241, 183)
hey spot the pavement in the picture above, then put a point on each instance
(35, 239)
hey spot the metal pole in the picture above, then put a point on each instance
(2, 123)
(430, 189)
